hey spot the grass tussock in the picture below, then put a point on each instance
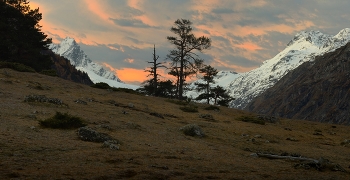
(251, 119)
(62, 121)
(189, 108)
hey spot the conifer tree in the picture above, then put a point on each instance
(208, 78)
(184, 60)
(21, 39)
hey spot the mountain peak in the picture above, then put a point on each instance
(71, 50)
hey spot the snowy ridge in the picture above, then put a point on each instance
(69, 49)
(302, 48)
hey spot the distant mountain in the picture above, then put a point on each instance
(304, 47)
(66, 70)
(317, 91)
(69, 49)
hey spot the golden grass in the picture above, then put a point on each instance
(150, 147)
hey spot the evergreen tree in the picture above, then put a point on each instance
(184, 61)
(208, 78)
(221, 96)
(21, 39)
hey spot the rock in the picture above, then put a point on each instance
(88, 134)
(192, 130)
(111, 144)
(206, 116)
(131, 105)
(157, 115)
(78, 101)
(258, 136)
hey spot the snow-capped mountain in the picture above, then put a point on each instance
(302, 48)
(69, 49)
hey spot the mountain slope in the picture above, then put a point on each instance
(317, 91)
(303, 48)
(69, 49)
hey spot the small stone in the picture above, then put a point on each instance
(258, 136)
(131, 105)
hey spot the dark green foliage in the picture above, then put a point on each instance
(192, 130)
(211, 107)
(16, 66)
(221, 96)
(208, 78)
(189, 108)
(164, 88)
(49, 72)
(62, 121)
(21, 39)
(101, 85)
(184, 61)
(251, 119)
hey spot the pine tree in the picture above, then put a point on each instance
(208, 78)
(184, 61)
(221, 96)
(21, 39)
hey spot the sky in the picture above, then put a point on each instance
(120, 34)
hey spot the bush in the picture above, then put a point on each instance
(192, 130)
(101, 85)
(189, 108)
(62, 121)
(251, 120)
(16, 66)
(50, 72)
(211, 107)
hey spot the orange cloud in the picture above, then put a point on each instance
(95, 7)
(218, 62)
(249, 46)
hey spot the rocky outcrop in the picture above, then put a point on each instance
(317, 90)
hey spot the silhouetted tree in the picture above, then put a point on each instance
(21, 39)
(221, 96)
(208, 77)
(184, 61)
(153, 72)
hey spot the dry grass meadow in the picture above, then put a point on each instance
(152, 147)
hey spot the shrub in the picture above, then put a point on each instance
(211, 107)
(192, 130)
(101, 85)
(189, 108)
(50, 72)
(16, 66)
(251, 120)
(62, 121)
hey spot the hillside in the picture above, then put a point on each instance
(151, 147)
(317, 91)
(304, 47)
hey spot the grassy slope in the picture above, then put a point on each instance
(151, 147)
